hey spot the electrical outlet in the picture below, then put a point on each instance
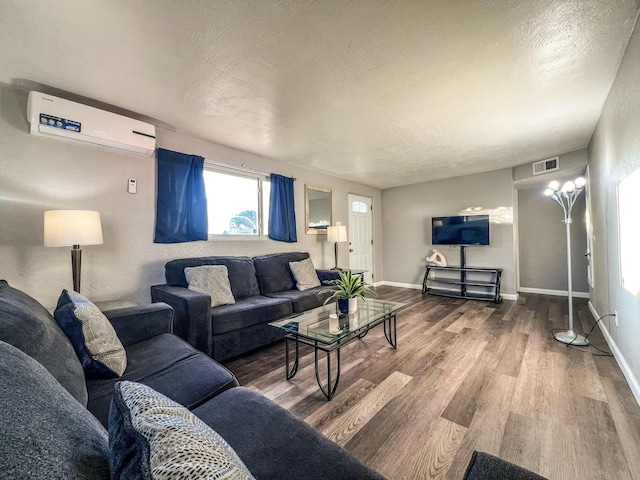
(615, 316)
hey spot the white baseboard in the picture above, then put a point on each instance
(634, 385)
(557, 293)
(401, 285)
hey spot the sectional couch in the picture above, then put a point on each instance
(53, 420)
(264, 290)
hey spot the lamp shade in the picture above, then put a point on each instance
(337, 233)
(72, 227)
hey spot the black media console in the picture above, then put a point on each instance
(476, 283)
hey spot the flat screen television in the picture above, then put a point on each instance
(460, 230)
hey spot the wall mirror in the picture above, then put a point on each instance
(318, 209)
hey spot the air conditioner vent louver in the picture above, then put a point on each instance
(62, 119)
(544, 166)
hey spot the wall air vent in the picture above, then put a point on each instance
(544, 166)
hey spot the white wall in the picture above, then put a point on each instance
(407, 213)
(614, 153)
(38, 174)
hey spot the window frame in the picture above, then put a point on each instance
(262, 222)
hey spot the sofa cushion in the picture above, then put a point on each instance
(212, 280)
(169, 365)
(45, 433)
(247, 312)
(93, 338)
(305, 300)
(27, 325)
(152, 436)
(273, 272)
(305, 274)
(302, 452)
(242, 274)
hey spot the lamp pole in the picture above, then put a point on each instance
(566, 197)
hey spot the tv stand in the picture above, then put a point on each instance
(454, 282)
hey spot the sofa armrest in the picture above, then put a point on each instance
(134, 324)
(326, 275)
(192, 314)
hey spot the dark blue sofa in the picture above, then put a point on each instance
(53, 421)
(264, 290)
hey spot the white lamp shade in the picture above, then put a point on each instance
(337, 233)
(72, 227)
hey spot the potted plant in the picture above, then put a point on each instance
(348, 289)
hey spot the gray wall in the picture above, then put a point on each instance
(38, 174)
(614, 153)
(542, 242)
(406, 222)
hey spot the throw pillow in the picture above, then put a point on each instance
(212, 280)
(151, 436)
(45, 434)
(93, 338)
(305, 274)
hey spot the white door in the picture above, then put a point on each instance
(361, 235)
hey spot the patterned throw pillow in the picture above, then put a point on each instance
(212, 280)
(151, 436)
(305, 274)
(93, 338)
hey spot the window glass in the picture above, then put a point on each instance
(233, 204)
(359, 207)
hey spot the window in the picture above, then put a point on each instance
(358, 207)
(237, 204)
(629, 232)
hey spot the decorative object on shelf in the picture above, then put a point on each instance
(337, 233)
(63, 228)
(437, 258)
(566, 197)
(348, 289)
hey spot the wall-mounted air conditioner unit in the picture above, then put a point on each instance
(55, 117)
(544, 166)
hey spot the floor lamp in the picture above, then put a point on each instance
(63, 228)
(566, 197)
(336, 234)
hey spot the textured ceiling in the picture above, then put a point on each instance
(385, 93)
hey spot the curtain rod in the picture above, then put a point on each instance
(239, 168)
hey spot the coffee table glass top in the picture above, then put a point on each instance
(315, 324)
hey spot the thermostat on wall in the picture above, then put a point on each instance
(132, 186)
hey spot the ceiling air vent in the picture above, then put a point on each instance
(544, 166)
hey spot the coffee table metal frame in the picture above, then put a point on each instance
(330, 345)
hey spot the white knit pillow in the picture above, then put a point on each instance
(212, 280)
(305, 274)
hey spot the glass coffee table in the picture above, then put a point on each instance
(320, 329)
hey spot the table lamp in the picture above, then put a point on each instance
(63, 228)
(336, 233)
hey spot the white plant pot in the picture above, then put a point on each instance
(353, 305)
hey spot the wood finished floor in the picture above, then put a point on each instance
(466, 376)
